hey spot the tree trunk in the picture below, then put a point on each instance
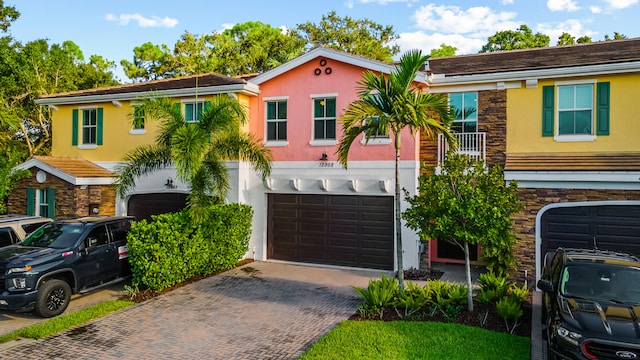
(468, 271)
(398, 218)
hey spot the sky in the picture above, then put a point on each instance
(112, 28)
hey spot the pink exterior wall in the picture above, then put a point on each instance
(298, 84)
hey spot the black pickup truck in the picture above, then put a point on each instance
(63, 258)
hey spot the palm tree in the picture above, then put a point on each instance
(197, 149)
(387, 105)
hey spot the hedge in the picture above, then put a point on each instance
(171, 249)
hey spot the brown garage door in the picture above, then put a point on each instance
(340, 230)
(142, 206)
(609, 227)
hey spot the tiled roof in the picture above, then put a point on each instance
(76, 167)
(201, 80)
(604, 52)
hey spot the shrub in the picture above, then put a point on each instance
(509, 309)
(377, 296)
(411, 300)
(518, 293)
(499, 284)
(172, 248)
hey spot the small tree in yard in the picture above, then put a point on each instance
(467, 204)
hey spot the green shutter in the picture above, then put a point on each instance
(602, 108)
(100, 126)
(74, 127)
(548, 111)
(31, 201)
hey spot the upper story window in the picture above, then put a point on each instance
(88, 133)
(89, 126)
(193, 110)
(324, 118)
(138, 118)
(465, 106)
(575, 110)
(376, 137)
(277, 120)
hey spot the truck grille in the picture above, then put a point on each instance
(614, 351)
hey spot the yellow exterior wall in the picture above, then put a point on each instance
(117, 140)
(524, 119)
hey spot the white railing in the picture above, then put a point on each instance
(472, 144)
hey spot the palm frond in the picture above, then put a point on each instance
(139, 162)
(241, 146)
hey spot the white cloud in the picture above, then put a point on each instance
(595, 9)
(477, 21)
(621, 4)
(572, 26)
(427, 42)
(154, 21)
(351, 3)
(507, 2)
(562, 5)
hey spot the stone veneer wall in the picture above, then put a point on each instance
(492, 120)
(71, 201)
(536, 199)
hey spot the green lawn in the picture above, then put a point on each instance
(63, 322)
(417, 340)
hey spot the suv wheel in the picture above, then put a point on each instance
(53, 298)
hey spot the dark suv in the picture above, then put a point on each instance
(591, 306)
(63, 258)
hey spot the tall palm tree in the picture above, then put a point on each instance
(198, 150)
(387, 105)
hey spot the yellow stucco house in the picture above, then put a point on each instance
(563, 123)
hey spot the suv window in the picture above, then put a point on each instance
(55, 235)
(119, 230)
(31, 227)
(7, 237)
(97, 237)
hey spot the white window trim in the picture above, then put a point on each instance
(38, 203)
(322, 142)
(190, 101)
(133, 131)
(81, 128)
(556, 120)
(376, 141)
(276, 143)
(266, 121)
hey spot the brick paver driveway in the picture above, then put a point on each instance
(262, 310)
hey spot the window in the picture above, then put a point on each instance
(138, 118)
(324, 118)
(193, 111)
(465, 106)
(575, 111)
(88, 133)
(277, 120)
(377, 137)
(41, 202)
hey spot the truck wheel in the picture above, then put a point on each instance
(53, 298)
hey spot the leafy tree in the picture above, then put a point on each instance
(10, 156)
(8, 14)
(522, 38)
(387, 105)
(360, 37)
(566, 39)
(150, 62)
(467, 204)
(192, 54)
(197, 150)
(616, 36)
(583, 39)
(254, 47)
(444, 50)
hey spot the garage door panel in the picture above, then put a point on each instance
(609, 227)
(143, 206)
(336, 230)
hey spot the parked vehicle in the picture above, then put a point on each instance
(14, 228)
(62, 258)
(591, 306)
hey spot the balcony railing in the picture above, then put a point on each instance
(472, 144)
